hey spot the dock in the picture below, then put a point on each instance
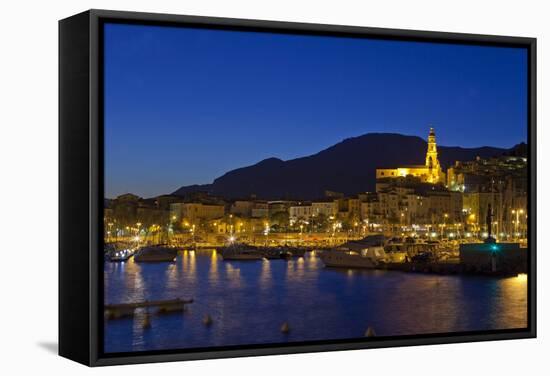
(449, 268)
(115, 311)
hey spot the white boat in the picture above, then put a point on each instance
(399, 252)
(396, 252)
(116, 252)
(121, 255)
(344, 257)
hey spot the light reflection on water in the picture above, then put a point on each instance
(249, 300)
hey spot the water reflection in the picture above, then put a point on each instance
(233, 275)
(172, 276)
(248, 302)
(213, 275)
(510, 298)
(265, 275)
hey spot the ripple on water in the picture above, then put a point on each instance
(249, 301)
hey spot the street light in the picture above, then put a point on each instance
(193, 236)
(516, 223)
(266, 232)
(110, 224)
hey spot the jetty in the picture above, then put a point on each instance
(115, 311)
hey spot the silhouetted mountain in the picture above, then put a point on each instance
(519, 150)
(348, 167)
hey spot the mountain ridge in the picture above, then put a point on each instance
(348, 166)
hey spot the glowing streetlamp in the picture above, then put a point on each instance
(516, 222)
(266, 232)
(110, 224)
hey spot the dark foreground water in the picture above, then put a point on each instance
(250, 300)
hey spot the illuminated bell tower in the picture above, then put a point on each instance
(432, 163)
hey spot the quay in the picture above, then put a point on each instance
(115, 311)
(449, 268)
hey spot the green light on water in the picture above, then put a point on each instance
(494, 247)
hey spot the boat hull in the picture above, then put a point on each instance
(344, 260)
(241, 252)
(242, 257)
(120, 258)
(155, 254)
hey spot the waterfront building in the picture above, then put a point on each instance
(108, 214)
(252, 208)
(390, 204)
(418, 209)
(354, 207)
(430, 172)
(444, 207)
(195, 211)
(325, 207)
(476, 204)
(129, 215)
(124, 209)
(300, 212)
(484, 174)
(242, 208)
(348, 208)
(371, 211)
(279, 206)
(163, 201)
(499, 181)
(260, 210)
(241, 228)
(408, 202)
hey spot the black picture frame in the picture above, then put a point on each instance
(81, 186)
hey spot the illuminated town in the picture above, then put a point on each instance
(420, 201)
(264, 188)
(219, 256)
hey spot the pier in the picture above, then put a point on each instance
(116, 311)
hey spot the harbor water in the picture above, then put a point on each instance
(249, 301)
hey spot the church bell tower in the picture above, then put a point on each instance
(432, 163)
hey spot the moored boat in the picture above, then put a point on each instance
(271, 253)
(116, 252)
(366, 253)
(285, 254)
(121, 255)
(298, 251)
(368, 258)
(156, 253)
(241, 252)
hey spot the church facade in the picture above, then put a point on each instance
(430, 172)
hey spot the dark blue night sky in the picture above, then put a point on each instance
(183, 106)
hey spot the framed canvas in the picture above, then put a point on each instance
(237, 187)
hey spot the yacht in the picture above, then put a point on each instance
(365, 253)
(345, 257)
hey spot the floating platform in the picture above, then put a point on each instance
(116, 311)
